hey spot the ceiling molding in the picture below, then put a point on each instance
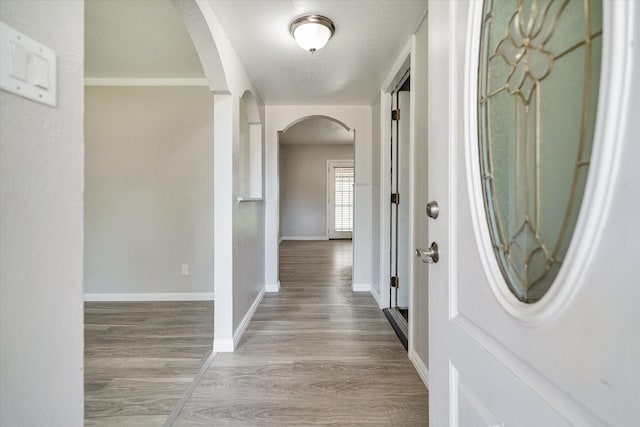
(99, 81)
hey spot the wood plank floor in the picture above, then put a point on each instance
(140, 357)
(314, 354)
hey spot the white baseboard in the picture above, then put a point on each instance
(420, 367)
(222, 345)
(376, 296)
(272, 287)
(361, 287)
(305, 238)
(167, 296)
(242, 327)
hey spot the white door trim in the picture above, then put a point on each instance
(400, 66)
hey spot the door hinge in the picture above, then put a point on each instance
(395, 115)
(395, 198)
(395, 282)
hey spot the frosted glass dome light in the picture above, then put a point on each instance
(312, 32)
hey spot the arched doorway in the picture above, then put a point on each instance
(356, 119)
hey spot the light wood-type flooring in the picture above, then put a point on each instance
(140, 357)
(314, 354)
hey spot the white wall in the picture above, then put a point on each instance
(149, 191)
(376, 173)
(358, 118)
(303, 188)
(419, 310)
(239, 226)
(41, 221)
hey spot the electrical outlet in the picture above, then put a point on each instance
(185, 269)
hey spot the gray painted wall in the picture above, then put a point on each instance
(248, 237)
(41, 216)
(149, 189)
(303, 187)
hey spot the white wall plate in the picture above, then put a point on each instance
(27, 68)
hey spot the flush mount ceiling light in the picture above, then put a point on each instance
(312, 32)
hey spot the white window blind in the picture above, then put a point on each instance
(343, 199)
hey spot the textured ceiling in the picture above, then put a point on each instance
(349, 70)
(147, 39)
(137, 39)
(316, 130)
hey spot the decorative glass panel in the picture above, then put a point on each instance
(538, 91)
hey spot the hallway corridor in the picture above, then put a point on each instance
(315, 354)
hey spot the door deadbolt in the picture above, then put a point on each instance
(429, 255)
(433, 209)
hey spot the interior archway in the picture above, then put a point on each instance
(205, 45)
(358, 121)
(315, 116)
(316, 188)
(160, 136)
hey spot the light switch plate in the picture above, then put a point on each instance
(27, 68)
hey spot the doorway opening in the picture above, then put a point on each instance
(316, 175)
(340, 180)
(399, 208)
(316, 185)
(148, 211)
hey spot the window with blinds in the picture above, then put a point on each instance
(343, 199)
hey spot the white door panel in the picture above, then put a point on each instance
(472, 409)
(572, 358)
(484, 392)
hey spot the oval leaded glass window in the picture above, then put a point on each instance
(538, 92)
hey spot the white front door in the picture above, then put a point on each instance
(569, 355)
